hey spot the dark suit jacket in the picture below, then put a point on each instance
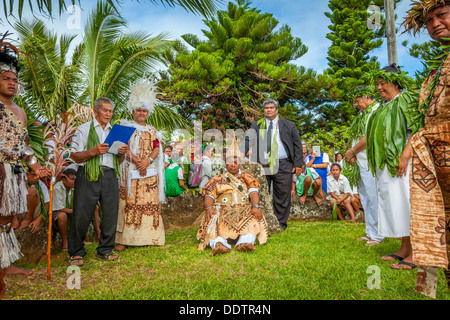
(289, 137)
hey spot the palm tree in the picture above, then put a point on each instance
(52, 83)
(104, 64)
(11, 8)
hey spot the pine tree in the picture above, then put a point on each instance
(242, 62)
(349, 58)
(425, 52)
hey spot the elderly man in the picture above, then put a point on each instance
(357, 156)
(276, 144)
(232, 211)
(96, 181)
(14, 149)
(429, 177)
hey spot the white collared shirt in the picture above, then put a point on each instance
(281, 151)
(338, 187)
(79, 141)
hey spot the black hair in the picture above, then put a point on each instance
(70, 172)
(168, 147)
(336, 164)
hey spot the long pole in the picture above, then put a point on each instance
(390, 31)
(49, 240)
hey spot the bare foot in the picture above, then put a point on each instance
(318, 200)
(15, 223)
(120, 247)
(17, 270)
(303, 199)
(25, 223)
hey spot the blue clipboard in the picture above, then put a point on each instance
(119, 133)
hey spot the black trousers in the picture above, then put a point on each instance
(281, 191)
(86, 196)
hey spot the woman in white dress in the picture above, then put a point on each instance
(389, 153)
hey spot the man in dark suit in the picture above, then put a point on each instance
(275, 143)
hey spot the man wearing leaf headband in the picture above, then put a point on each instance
(388, 152)
(14, 151)
(430, 173)
(96, 181)
(357, 156)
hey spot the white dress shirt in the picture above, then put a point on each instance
(281, 151)
(339, 187)
(79, 141)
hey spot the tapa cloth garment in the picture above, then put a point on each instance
(393, 204)
(232, 217)
(430, 185)
(430, 196)
(140, 221)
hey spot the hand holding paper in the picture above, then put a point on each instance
(118, 138)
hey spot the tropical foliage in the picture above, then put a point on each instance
(349, 57)
(16, 8)
(103, 64)
(242, 62)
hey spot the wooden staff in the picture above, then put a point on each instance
(50, 221)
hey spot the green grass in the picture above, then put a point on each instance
(308, 261)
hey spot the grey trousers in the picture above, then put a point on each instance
(86, 196)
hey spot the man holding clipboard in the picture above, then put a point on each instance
(96, 181)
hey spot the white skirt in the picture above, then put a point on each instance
(393, 204)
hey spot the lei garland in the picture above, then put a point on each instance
(273, 155)
(357, 132)
(92, 166)
(434, 64)
(387, 128)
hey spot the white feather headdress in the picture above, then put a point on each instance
(143, 95)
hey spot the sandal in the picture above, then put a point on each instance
(79, 259)
(372, 243)
(365, 238)
(108, 256)
(394, 256)
(403, 263)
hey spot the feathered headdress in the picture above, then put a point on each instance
(9, 56)
(415, 20)
(143, 95)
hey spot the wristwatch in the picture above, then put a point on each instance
(255, 206)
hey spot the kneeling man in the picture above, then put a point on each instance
(232, 211)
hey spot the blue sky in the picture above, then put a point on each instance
(305, 17)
